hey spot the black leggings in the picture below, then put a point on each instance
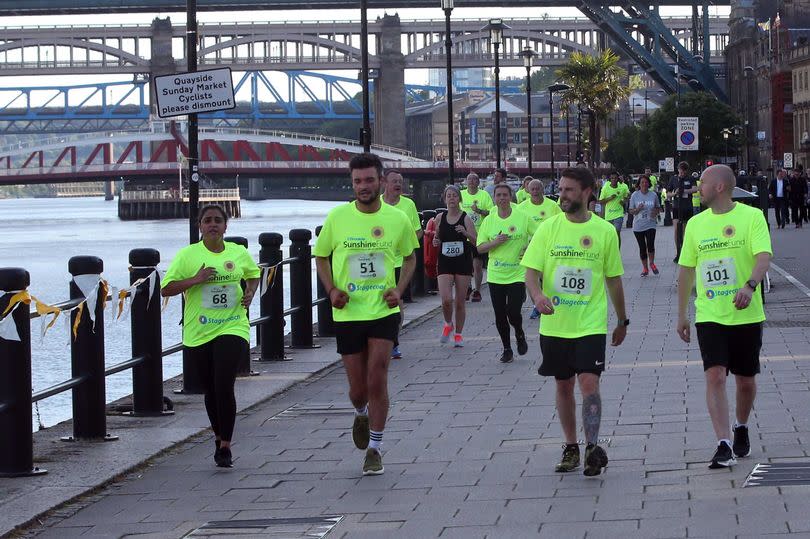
(507, 300)
(646, 243)
(217, 362)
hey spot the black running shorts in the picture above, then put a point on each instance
(352, 337)
(734, 347)
(564, 358)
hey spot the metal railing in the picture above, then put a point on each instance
(87, 347)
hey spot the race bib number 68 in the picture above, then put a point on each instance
(219, 296)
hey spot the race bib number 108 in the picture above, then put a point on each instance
(569, 280)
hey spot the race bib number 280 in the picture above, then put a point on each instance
(569, 280)
(367, 266)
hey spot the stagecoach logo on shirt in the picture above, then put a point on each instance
(230, 266)
(377, 232)
(586, 242)
(729, 231)
(710, 294)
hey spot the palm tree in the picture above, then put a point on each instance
(596, 84)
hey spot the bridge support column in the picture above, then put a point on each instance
(256, 189)
(389, 87)
(162, 60)
(109, 190)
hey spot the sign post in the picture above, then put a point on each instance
(687, 134)
(669, 164)
(788, 160)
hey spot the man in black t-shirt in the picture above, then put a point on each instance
(680, 191)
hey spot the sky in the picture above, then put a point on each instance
(412, 76)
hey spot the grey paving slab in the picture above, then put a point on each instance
(471, 444)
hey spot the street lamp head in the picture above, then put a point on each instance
(528, 57)
(447, 4)
(748, 70)
(495, 29)
(558, 88)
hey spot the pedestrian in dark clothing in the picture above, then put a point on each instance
(797, 193)
(778, 194)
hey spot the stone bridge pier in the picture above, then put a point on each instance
(389, 87)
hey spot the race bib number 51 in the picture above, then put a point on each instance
(219, 296)
(718, 272)
(367, 266)
(569, 280)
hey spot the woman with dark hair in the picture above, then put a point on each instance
(644, 207)
(216, 330)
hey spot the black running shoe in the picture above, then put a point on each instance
(723, 457)
(507, 356)
(522, 345)
(741, 445)
(223, 457)
(570, 459)
(595, 460)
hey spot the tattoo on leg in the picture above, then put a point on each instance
(591, 417)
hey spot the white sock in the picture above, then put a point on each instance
(375, 440)
(361, 411)
(738, 424)
(724, 440)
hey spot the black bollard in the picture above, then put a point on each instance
(301, 288)
(326, 325)
(17, 450)
(147, 336)
(244, 362)
(87, 359)
(668, 213)
(272, 303)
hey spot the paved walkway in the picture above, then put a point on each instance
(471, 445)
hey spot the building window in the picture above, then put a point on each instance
(517, 138)
(503, 121)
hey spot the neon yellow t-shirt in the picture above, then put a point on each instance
(407, 206)
(364, 247)
(521, 195)
(575, 259)
(504, 260)
(213, 308)
(614, 208)
(484, 203)
(653, 181)
(722, 248)
(540, 212)
(696, 196)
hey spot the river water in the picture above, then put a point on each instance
(41, 235)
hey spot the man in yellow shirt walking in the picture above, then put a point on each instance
(728, 250)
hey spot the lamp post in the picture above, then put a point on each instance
(568, 135)
(495, 29)
(551, 89)
(365, 134)
(726, 132)
(528, 57)
(447, 6)
(747, 71)
(580, 155)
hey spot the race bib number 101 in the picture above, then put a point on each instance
(569, 280)
(718, 272)
(367, 266)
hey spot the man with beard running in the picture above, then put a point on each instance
(576, 257)
(728, 249)
(363, 239)
(477, 204)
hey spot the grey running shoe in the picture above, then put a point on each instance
(373, 464)
(360, 431)
(723, 457)
(741, 445)
(570, 459)
(595, 460)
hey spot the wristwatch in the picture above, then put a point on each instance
(752, 284)
(625, 322)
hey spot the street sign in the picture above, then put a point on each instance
(669, 164)
(195, 92)
(662, 164)
(788, 160)
(687, 133)
(760, 135)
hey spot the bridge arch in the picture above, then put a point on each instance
(350, 53)
(124, 58)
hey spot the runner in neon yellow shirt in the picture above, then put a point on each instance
(613, 195)
(538, 207)
(477, 204)
(523, 193)
(504, 234)
(576, 257)
(363, 239)
(393, 197)
(728, 249)
(216, 330)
